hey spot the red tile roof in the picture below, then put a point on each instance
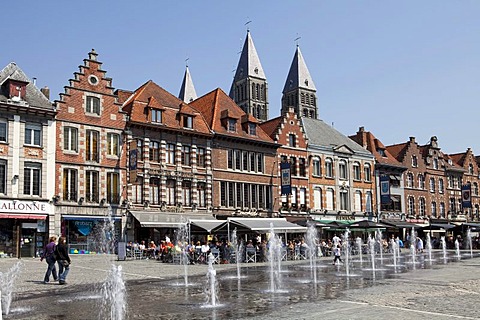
(398, 150)
(270, 126)
(368, 140)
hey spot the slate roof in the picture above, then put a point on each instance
(298, 76)
(187, 91)
(321, 134)
(217, 104)
(33, 96)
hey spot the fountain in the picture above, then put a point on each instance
(393, 243)
(182, 238)
(397, 242)
(444, 248)
(211, 290)
(469, 242)
(429, 248)
(312, 240)
(114, 304)
(371, 246)
(274, 260)
(413, 255)
(359, 244)
(7, 281)
(346, 244)
(379, 240)
(239, 251)
(457, 249)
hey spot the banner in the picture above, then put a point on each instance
(385, 189)
(466, 196)
(285, 178)
(132, 161)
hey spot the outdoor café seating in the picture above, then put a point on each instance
(250, 255)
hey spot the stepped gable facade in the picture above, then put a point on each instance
(287, 131)
(173, 172)
(90, 165)
(245, 172)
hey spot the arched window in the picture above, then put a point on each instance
(434, 209)
(356, 171)
(329, 168)
(344, 201)
(440, 186)
(411, 206)
(421, 181)
(421, 204)
(342, 170)
(305, 112)
(368, 172)
(317, 198)
(409, 180)
(432, 185)
(442, 210)
(470, 168)
(302, 98)
(358, 201)
(330, 202)
(475, 189)
(316, 164)
(368, 201)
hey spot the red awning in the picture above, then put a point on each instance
(23, 216)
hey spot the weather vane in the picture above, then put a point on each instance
(296, 39)
(247, 23)
(186, 62)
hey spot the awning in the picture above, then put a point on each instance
(261, 225)
(157, 219)
(23, 216)
(204, 225)
(400, 224)
(88, 217)
(439, 226)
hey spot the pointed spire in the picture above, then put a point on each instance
(187, 91)
(249, 64)
(298, 76)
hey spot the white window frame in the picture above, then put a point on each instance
(113, 150)
(32, 133)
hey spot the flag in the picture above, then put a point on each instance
(466, 196)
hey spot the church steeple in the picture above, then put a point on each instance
(187, 91)
(299, 91)
(249, 87)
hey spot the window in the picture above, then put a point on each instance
(252, 129)
(186, 156)
(368, 202)
(188, 122)
(432, 185)
(260, 162)
(3, 131)
(356, 171)
(254, 196)
(317, 198)
(232, 125)
(328, 168)
(140, 150)
(244, 160)
(421, 205)
(414, 161)
(155, 195)
(411, 206)
(113, 144)
(70, 139)
(368, 173)
(32, 179)
(201, 195)
(91, 146)
(246, 196)
(475, 189)
(435, 163)
(470, 168)
(171, 192)
(33, 135)
(409, 180)
(303, 198)
(452, 204)
(187, 193)
(293, 197)
(442, 210)
(381, 152)
(91, 186)
(170, 150)
(344, 200)
(301, 167)
(201, 157)
(421, 181)
(230, 159)
(329, 199)
(358, 201)
(342, 170)
(292, 140)
(252, 161)
(3, 177)
(440, 186)
(69, 185)
(156, 116)
(293, 166)
(316, 171)
(238, 160)
(238, 195)
(434, 209)
(113, 188)
(93, 105)
(154, 154)
(137, 191)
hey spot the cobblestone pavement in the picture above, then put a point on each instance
(449, 291)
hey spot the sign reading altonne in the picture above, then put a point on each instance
(285, 178)
(15, 206)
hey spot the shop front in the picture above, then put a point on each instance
(24, 227)
(88, 234)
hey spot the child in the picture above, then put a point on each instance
(336, 253)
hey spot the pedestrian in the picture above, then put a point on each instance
(63, 260)
(419, 245)
(337, 253)
(49, 256)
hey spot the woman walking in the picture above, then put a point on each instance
(49, 256)
(63, 260)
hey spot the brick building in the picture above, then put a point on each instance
(90, 166)
(243, 158)
(27, 163)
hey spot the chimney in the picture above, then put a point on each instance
(92, 55)
(361, 129)
(412, 139)
(46, 92)
(34, 81)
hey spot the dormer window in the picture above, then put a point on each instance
(188, 122)
(232, 125)
(381, 152)
(156, 116)
(93, 105)
(252, 129)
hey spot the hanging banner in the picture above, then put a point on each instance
(285, 177)
(385, 189)
(466, 196)
(132, 161)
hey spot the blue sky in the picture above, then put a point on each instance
(398, 68)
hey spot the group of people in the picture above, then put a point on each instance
(56, 253)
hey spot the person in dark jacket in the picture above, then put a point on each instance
(49, 256)
(63, 260)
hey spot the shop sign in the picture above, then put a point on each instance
(347, 218)
(15, 206)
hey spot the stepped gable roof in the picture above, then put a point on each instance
(298, 75)
(368, 140)
(459, 158)
(33, 95)
(450, 163)
(321, 134)
(271, 126)
(398, 150)
(187, 91)
(217, 105)
(151, 95)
